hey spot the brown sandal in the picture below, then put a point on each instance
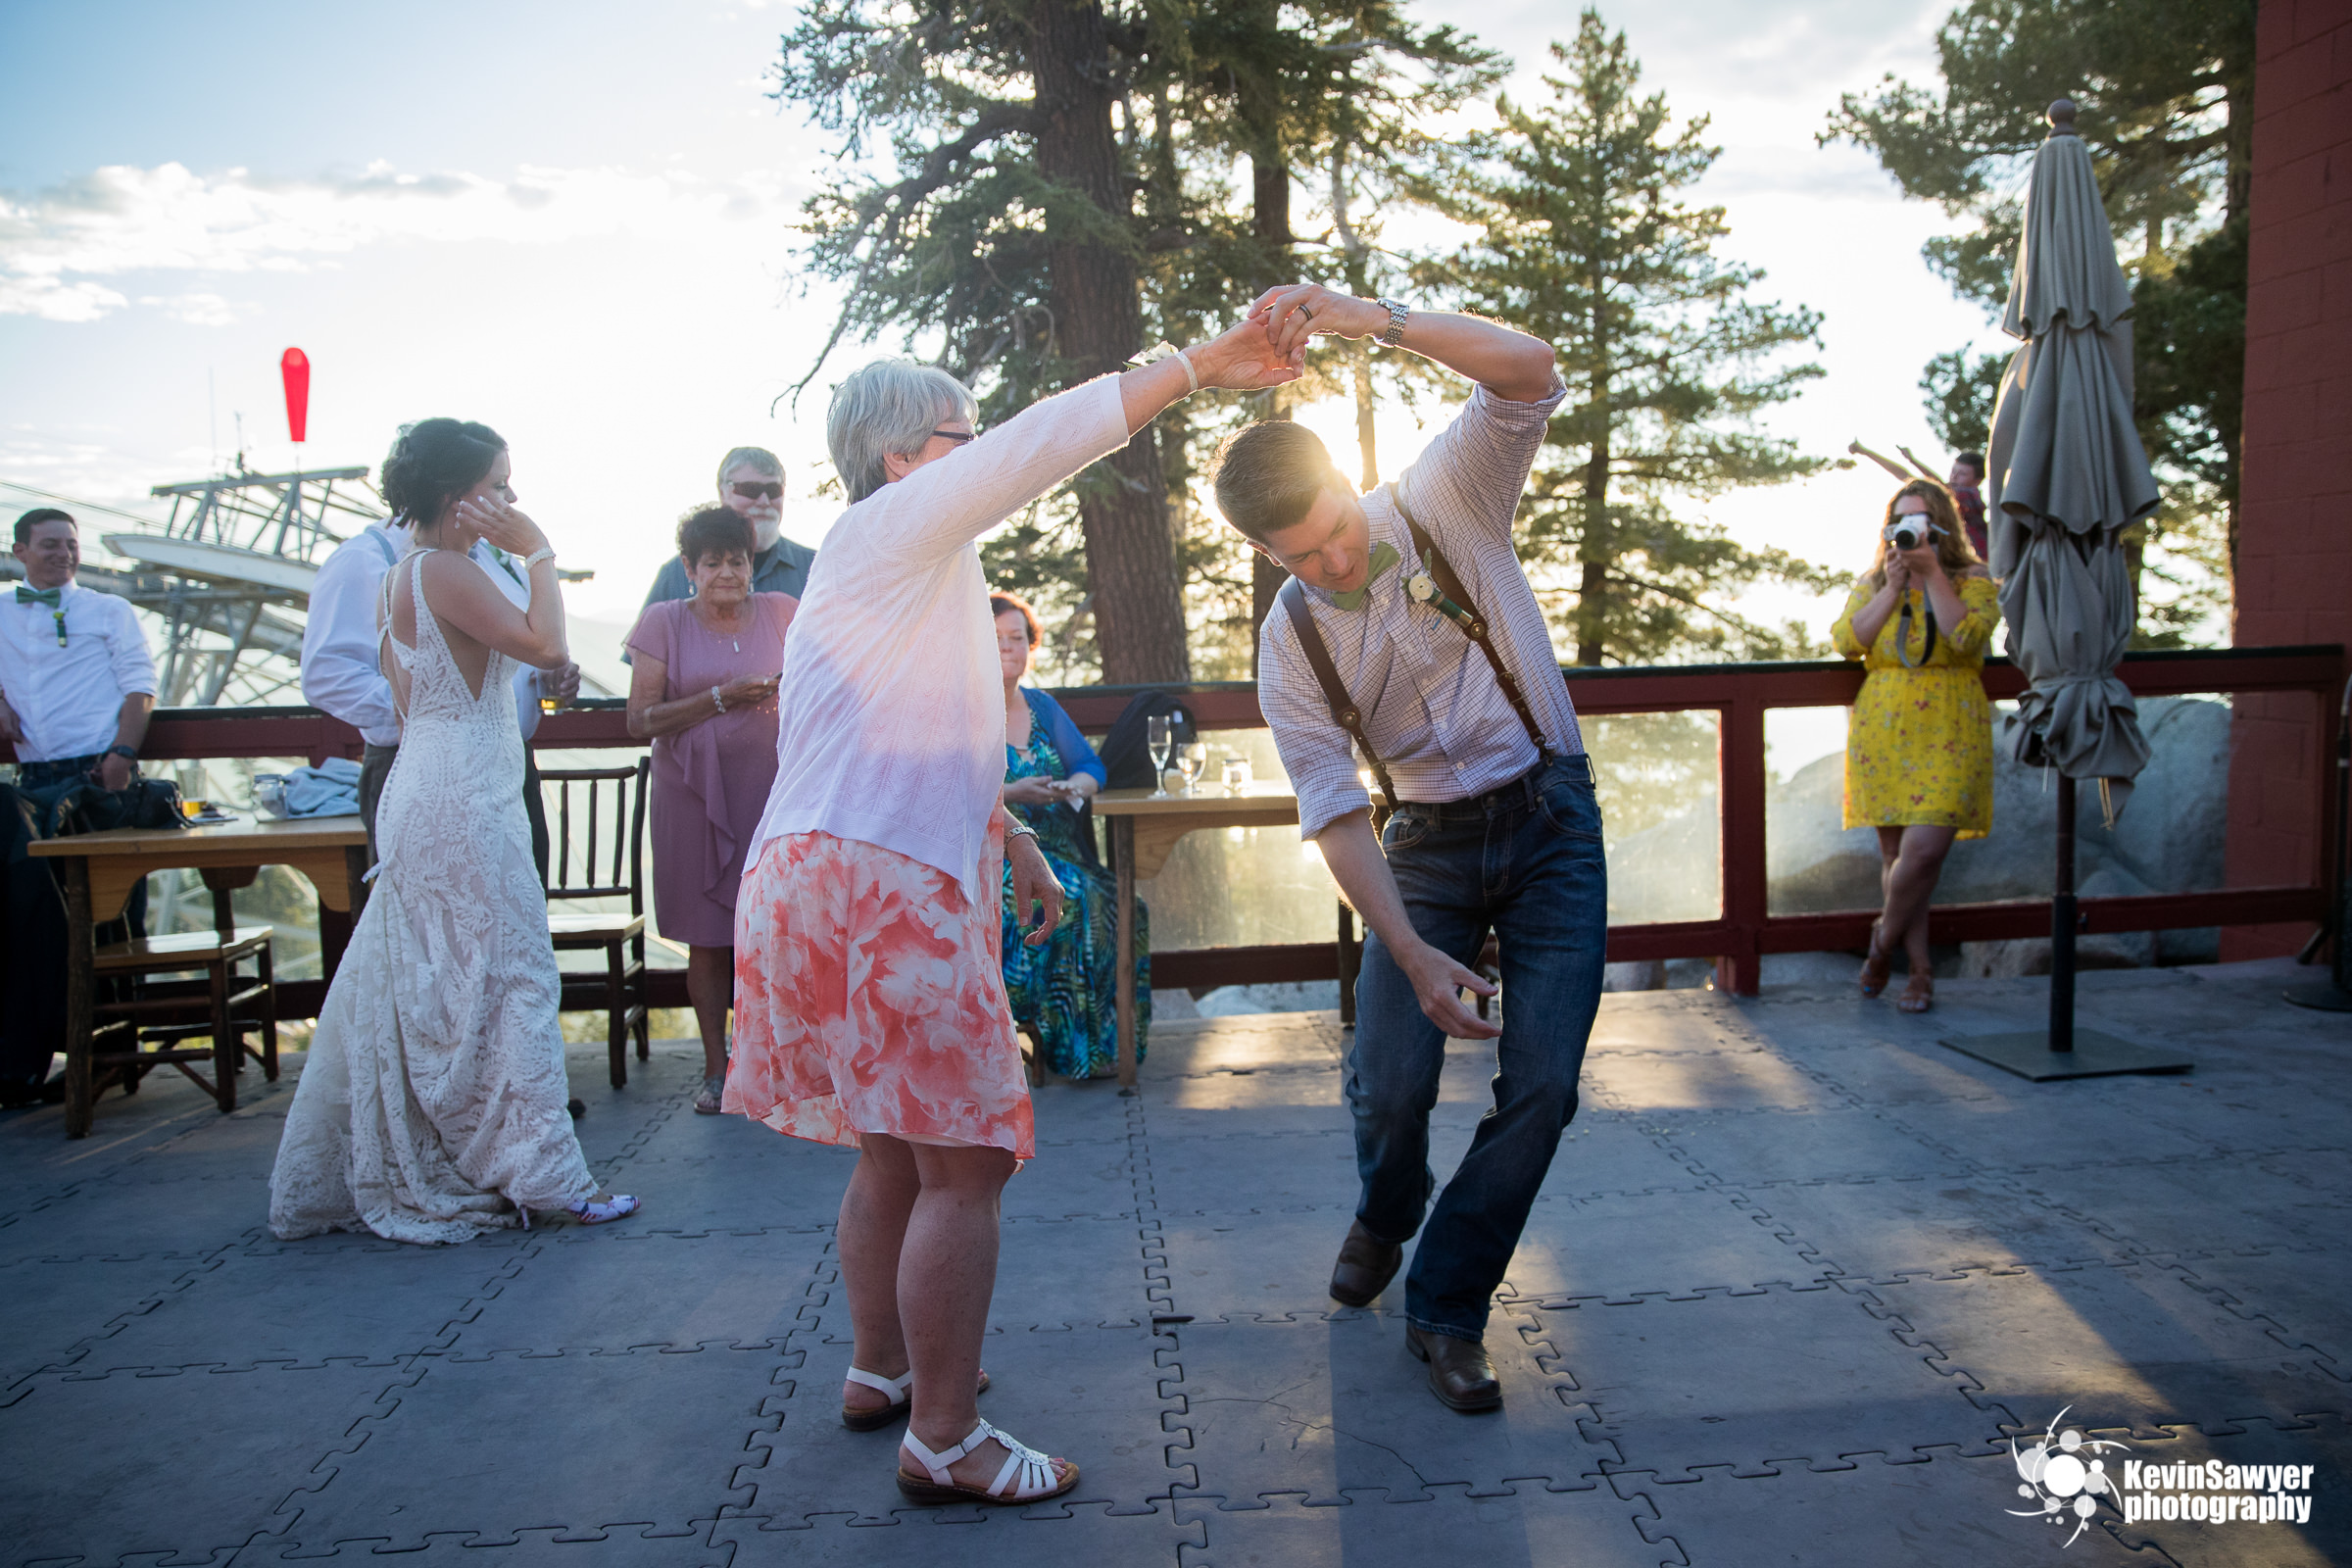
(1876, 965)
(1918, 996)
(882, 1415)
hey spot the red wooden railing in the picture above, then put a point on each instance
(1738, 694)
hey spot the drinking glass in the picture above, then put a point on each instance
(1190, 757)
(1159, 734)
(1237, 771)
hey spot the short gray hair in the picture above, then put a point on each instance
(759, 458)
(890, 406)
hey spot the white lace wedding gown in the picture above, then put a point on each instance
(432, 1102)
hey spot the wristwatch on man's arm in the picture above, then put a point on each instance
(130, 752)
(1393, 337)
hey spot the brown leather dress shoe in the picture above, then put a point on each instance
(1366, 1265)
(1460, 1374)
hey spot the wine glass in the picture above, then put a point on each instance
(1159, 734)
(1190, 757)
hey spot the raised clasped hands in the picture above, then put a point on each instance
(501, 524)
(1244, 358)
(1293, 313)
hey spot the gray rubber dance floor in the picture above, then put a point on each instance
(1797, 1279)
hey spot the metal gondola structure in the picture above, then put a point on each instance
(239, 550)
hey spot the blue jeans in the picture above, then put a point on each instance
(1525, 861)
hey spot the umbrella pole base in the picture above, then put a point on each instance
(2095, 1056)
(2319, 998)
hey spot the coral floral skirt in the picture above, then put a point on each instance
(870, 998)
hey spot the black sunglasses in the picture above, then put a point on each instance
(773, 489)
(959, 437)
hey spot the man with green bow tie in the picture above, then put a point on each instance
(1408, 649)
(76, 685)
(77, 681)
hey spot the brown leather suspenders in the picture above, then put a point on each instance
(1343, 710)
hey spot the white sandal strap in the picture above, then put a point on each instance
(937, 1463)
(896, 1388)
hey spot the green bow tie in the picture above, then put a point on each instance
(1383, 557)
(45, 596)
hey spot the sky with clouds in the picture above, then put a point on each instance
(572, 221)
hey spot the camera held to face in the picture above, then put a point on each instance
(1909, 533)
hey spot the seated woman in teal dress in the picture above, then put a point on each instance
(1064, 994)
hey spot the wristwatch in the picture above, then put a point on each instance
(1393, 337)
(130, 751)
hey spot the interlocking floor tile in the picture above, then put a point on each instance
(1874, 1230)
(2196, 1206)
(525, 1441)
(1947, 1513)
(1324, 1407)
(1083, 1536)
(1615, 1245)
(1748, 1380)
(1527, 1527)
(1830, 1145)
(189, 1463)
(2121, 1346)
(626, 1288)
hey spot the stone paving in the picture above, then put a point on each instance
(1797, 1276)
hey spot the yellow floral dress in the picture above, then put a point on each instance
(1919, 747)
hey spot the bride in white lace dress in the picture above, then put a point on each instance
(432, 1106)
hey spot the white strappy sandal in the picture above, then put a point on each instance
(1028, 1476)
(895, 1389)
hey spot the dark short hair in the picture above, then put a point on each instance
(433, 461)
(1268, 474)
(1975, 460)
(39, 514)
(714, 530)
(1015, 605)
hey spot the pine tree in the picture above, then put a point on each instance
(1054, 193)
(1587, 242)
(2165, 99)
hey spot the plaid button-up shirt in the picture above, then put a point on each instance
(1432, 706)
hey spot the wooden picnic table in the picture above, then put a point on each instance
(100, 869)
(1143, 828)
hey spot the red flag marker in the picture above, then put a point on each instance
(295, 367)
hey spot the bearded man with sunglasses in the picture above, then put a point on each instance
(751, 484)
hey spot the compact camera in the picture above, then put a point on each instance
(1908, 532)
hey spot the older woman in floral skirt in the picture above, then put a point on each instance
(870, 1006)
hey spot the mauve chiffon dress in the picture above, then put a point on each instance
(711, 782)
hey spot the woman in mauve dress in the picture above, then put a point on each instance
(870, 999)
(702, 689)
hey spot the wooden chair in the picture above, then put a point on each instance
(611, 856)
(138, 1032)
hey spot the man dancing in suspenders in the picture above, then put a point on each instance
(1408, 633)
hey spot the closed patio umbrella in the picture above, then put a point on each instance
(2066, 476)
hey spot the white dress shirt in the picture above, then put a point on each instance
(1432, 708)
(340, 672)
(892, 726)
(68, 700)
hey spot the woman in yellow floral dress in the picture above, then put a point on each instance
(1919, 747)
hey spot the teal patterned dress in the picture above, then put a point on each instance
(1064, 994)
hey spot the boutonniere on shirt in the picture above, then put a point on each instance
(1424, 589)
(54, 599)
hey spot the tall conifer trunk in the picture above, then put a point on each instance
(1097, 313)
